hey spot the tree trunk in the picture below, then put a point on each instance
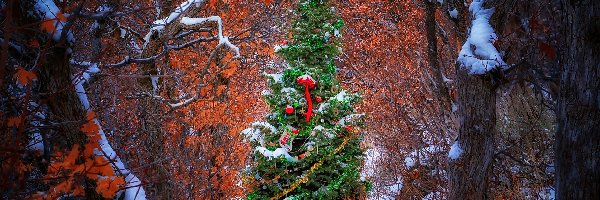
(57, 88)
(577, 147)
(435, 69)
(468, 174)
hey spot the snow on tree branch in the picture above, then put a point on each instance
(134, 189)
(478, 54)
(53, 20)
(455, 151)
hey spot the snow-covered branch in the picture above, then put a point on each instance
(134, 189)
(48, 12)
(478, 54)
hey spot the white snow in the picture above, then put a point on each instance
(134, 189)
(373, 155)
(453, 13)
(276, 153)
(265, 93)
(423, 155)
(193, 21)
(349, 119)
(306, 77)
(433, 196)
(395, 187)
(276, 77)
(154, 84)
(279, 47)
(409, 162)
(340, 96)
(175, 14)
(48, 11)
(254, 133)
(322, 107)
(289, 90)
(547, 193)
(478, 54)
(319, 128)
(35, 143)
(455, 151)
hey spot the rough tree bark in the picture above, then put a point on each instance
(577, 147)
(468, 175)
(435, 69)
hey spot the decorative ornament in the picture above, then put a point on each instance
(348, 128)
(318, 99)
(284, 42)
(285, 141)
(295, 131)
(301, 156)
(289, 110)
(308, 83)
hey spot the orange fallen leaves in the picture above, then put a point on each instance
(24, 77)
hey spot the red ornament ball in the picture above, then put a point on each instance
(318, 99)
(289, 110)
(295, 131)
(348, 128)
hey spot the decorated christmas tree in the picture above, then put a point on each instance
(308, 146)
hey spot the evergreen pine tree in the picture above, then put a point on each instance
(308, 146)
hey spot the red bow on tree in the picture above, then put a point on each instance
(308, 83)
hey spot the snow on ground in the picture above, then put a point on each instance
(422, 154)
(478, 54)
(379, 192)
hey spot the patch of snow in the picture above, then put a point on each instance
(433, 196)
(319, 128)
(276, 153)
(409, 162)
(36, 142)
(178, 10)
(48, 11)
(154, 80)
(340, 96)
(372, 156)
(478, 54)
(276, 77)
(455, 151)
(254, 133)
(454, 107)
(193, 21)
(396, 187)
(322, 107)
(265, 93)
(453, 13)
(279, 47)
(352, 118)
(423, 155)
(547, 193)
(288, 90)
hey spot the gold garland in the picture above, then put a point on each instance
(304, 178)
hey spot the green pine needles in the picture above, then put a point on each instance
(309, 145)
